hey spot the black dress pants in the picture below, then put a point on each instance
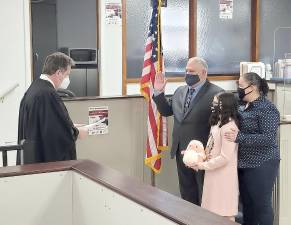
(255, 186)
(190, 181)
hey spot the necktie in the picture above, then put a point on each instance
(188, 99)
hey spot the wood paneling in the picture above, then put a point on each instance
(124, 70)
(255, 30)
(192, 28)
(181, 79)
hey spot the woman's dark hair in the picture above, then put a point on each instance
(256, 80)
(227, 109)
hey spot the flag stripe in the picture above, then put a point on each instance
(157, 139)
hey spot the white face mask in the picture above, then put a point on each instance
(65, 83)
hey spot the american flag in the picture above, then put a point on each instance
(157, 139)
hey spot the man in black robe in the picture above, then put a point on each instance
(44, 121)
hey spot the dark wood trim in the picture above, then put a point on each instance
(156, 200)
(283, 122)
(161, 202)
(255, 30)
(133, 80)
(124, 61)
(96, 98)
(220, 77)
(192, 28)
(37, 168)
(215, 77)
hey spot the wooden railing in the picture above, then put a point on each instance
(7, 91)
(154, 199)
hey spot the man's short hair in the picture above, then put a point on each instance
(56, 61)
(201, 62)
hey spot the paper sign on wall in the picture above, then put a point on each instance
(225, 9)
(113, 13)
(99, 117)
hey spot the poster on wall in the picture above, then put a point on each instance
(225, 9)
(113, 13)
(99, 117)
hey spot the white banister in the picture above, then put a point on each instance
(8, 90)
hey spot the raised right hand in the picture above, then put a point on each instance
(160, 82)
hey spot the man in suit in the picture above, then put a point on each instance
(190, 105)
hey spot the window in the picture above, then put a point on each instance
(192, 28)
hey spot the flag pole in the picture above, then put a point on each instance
(153, 174)
(157, 139)
(153, 178)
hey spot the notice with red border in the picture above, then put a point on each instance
(99, 117)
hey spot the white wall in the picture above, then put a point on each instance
(110, 54)
(38, 199)
(96, 204)
(15, 62)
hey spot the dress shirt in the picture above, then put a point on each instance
(156, 92)
(257, 137)
(197, 89)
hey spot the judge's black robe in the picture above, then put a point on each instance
(45, 125)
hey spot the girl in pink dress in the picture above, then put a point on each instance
(220, 189)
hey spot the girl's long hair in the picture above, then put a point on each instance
(226, 110)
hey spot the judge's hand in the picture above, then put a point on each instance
(231, 135)
(83, 132)
(160, 82)
(79, 124)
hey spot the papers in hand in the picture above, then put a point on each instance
(92, 125)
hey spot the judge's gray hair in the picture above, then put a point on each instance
(57, 61)
(200, 61)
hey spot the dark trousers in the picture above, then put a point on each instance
(190, 181)
(255, 186)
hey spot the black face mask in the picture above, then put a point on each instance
(241, 92)
(191, 79)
